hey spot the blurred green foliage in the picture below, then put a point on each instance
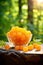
(9, 16)
(2, 43)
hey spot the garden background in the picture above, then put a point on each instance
(23, 13)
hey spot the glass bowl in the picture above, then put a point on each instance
(20, 37)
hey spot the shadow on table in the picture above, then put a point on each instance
(16, 58)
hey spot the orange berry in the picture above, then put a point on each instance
(16, 47)
(30, 47)
(38, 47)
(7, 47)
(35, 45)
(21, 47)
(25, 48)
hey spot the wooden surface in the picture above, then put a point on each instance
(30, 52)
(13, 57)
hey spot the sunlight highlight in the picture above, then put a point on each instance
(39, 1)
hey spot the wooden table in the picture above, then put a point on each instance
(13, 57)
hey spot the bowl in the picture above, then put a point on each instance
(19, 36)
